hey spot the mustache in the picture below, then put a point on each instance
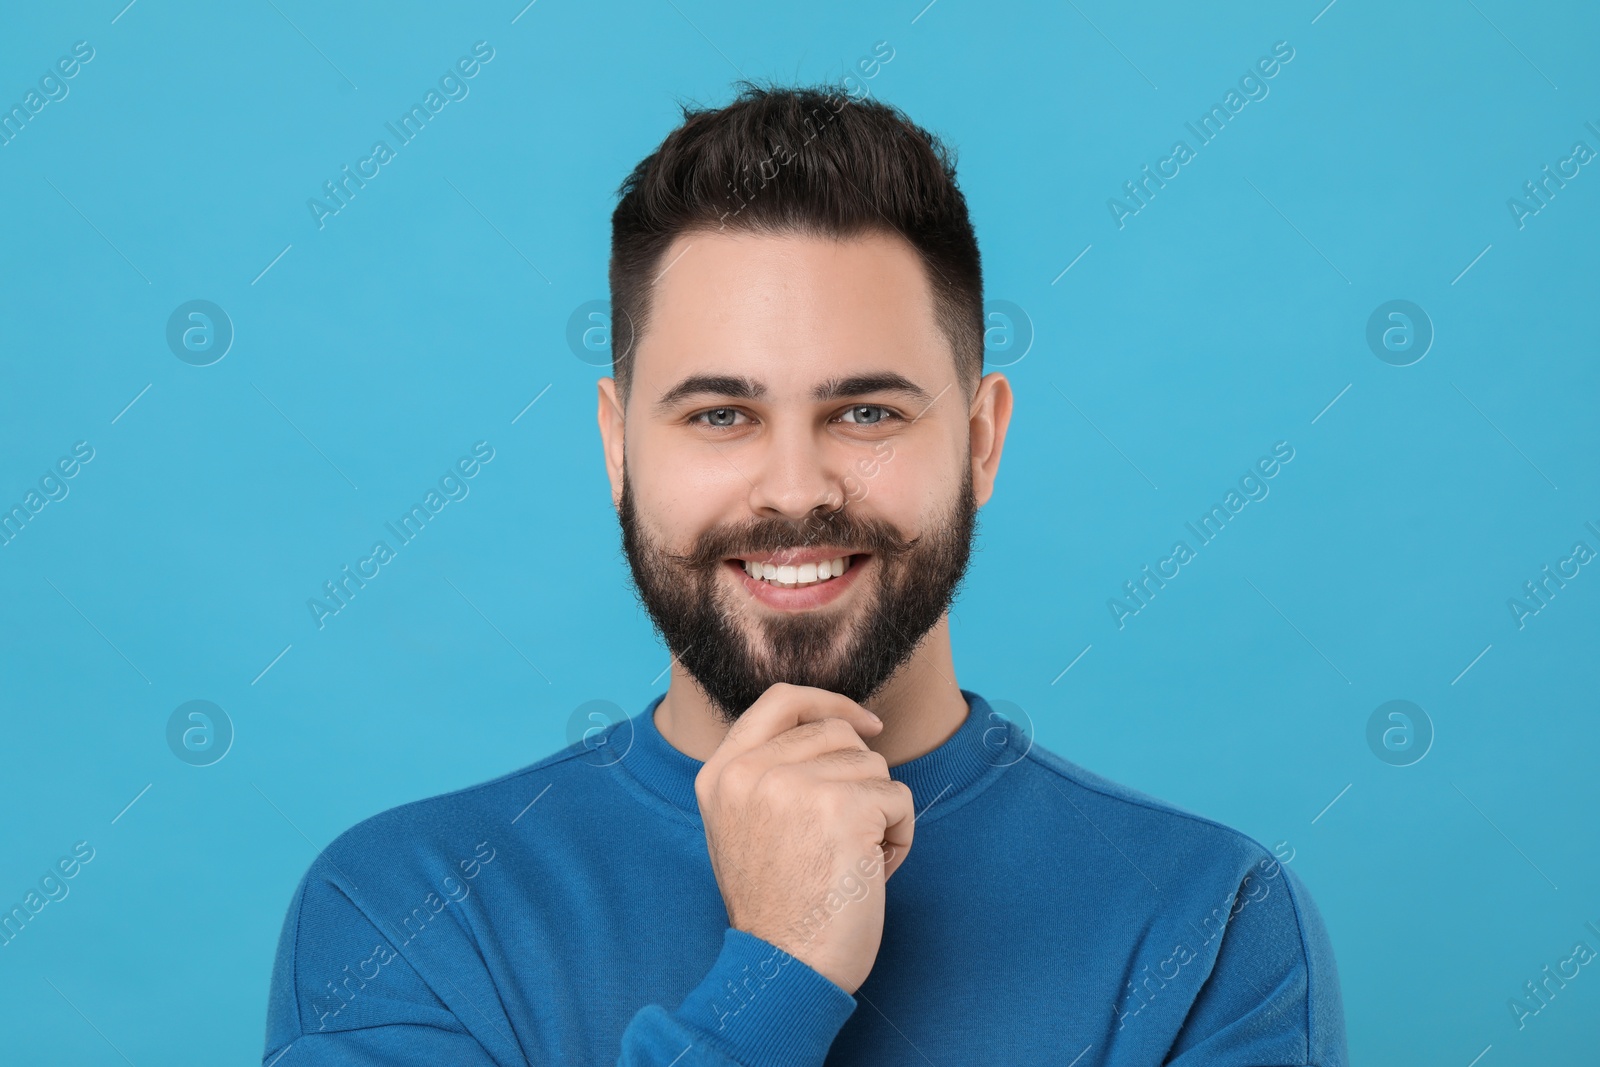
(876, 538)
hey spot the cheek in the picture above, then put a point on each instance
(678, 489)
(930, 466)
(914, 493)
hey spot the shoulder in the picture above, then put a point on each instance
(390, 896)
(1172, 837)
(426, 853)
(1230, 900)
(439, 825)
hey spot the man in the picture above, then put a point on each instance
(758, 869)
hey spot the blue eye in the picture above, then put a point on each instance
(714, 411)
(886, 414)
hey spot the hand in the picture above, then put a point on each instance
(804, 827)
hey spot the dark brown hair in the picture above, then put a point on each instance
(810, 160)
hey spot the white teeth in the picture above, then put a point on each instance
(792, 577)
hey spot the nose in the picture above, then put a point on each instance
(796, 476)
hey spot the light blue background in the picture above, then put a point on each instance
(1225, 316)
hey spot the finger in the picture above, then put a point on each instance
(894, 801)
(901, 810)
(783, 707)
(809, 741)
(844, 765)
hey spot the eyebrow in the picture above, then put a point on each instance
(740, 388)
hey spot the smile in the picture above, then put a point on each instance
(798, 583)
(788, 576)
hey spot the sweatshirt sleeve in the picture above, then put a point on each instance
(1272, 997)
(348, 989)
(345, 992)
(756, 1005)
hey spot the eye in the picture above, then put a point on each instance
(884, 413)
(716, 416)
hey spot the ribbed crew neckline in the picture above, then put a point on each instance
(983, 746)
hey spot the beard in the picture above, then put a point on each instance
(736, 649)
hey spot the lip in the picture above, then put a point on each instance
(813, 596)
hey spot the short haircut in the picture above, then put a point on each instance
(815, 161)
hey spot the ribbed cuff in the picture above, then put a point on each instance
(760, 1005)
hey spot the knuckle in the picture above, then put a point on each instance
(810, 730)
(738, 777)
(840, 733)
(794, 738)
(832, 803)
(773, 783)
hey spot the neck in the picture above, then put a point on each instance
(921, 706)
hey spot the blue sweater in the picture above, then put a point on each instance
(567, 914)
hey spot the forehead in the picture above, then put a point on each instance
(789, 310)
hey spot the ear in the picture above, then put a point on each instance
(989, 418)
(610, 418)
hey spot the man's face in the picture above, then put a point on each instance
(775, 456)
